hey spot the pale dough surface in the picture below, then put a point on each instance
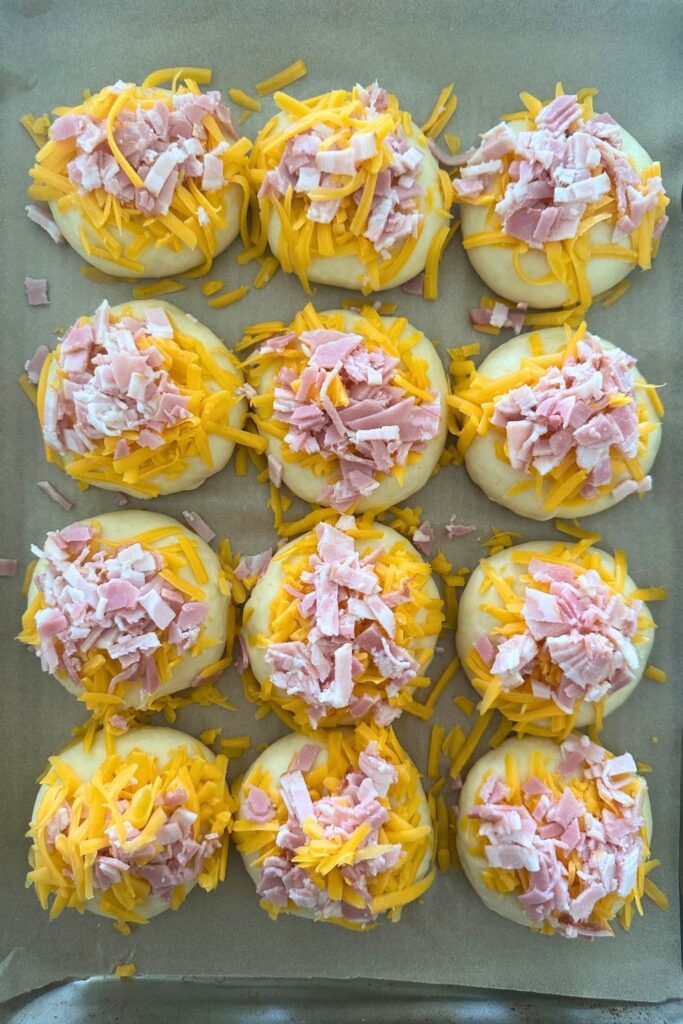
(349, 271)
(276, 759)
(221, 447)
(117, 526)
(306, 484)
(507, 904)
(152, 739)
(472, 621)
(267, 589)
(496, 477)
(494, 263)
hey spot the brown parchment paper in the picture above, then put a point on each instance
(51, 50)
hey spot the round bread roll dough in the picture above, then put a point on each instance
(472, 621)
(494, 265)
(496, 477)
(257, 617)
(120, 526)
(307, 484)
(507, 904)
(159, 261)
(152, 739)
(276, 760)
(221, 447)
(350, 271)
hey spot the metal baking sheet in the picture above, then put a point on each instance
(493, 50)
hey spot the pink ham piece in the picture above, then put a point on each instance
(253, 565)
(199, 526)
(357, 802)
(347, 613)
(499, 315)
(111, 600)
(43, 219)
(570, 410)
(8, 566)
(34, 365)
(52, 493)
(556, 171)
(111, 384)
(371, 435)
(610, 846)
(258, 807)
(395, 213)
(165, 146)
(36, 291)
(580, 625)
(454, 530)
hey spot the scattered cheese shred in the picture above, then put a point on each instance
(229, 297)
(125, 970)
(658, 674)
(283, 78)
(165, 287)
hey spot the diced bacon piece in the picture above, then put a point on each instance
(199, 526)
(54, 494)
(36, 291)
(8, 566)
(44, 221)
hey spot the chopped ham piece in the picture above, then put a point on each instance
(374, 427)
(111, 384)
(59, 499)
(8, 566)
(571, 409)
(253, 565)
(499, 315)
(454, 529)
(34, 365)
(348, 614)
(43, 219)
(556, 171)
(538, 834)
(109, 600)
(358, 802)
(423, 538)
(578, 625)
(36, 291)
(199, 525)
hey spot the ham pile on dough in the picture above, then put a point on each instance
(576, 624)
(348, 614)
(540, 833)
(172, 856)
(371, 428)
(357, 803)
(110, 601)
(556, 171)
(568, 411)
(165, 146)
(111, 381)
(306, 165)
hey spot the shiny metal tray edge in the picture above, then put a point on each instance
(107, 1000)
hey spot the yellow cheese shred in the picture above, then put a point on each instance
(280, 80)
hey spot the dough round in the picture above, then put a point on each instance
(197, 471)
(161, 262)
(275, 760)
(152, 739)
(507, 904)
(494, 264)
(350, 271)
(496, 477)
(120, 526)
(307, 484)
(472, 621)
(257, 614)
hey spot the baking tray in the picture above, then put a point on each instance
(438, 963)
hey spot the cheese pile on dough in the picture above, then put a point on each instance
(109, 614)
(569, 841)
(132, 837)
(348, 174)
(571, 421)
(343, 840)
(545, 187)
(352, 401)
(350, 631)
(146, 168)
(130, 399)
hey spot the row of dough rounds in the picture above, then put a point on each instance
(349, 192)
(143, 399)
(338, 829)
(335, 826)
